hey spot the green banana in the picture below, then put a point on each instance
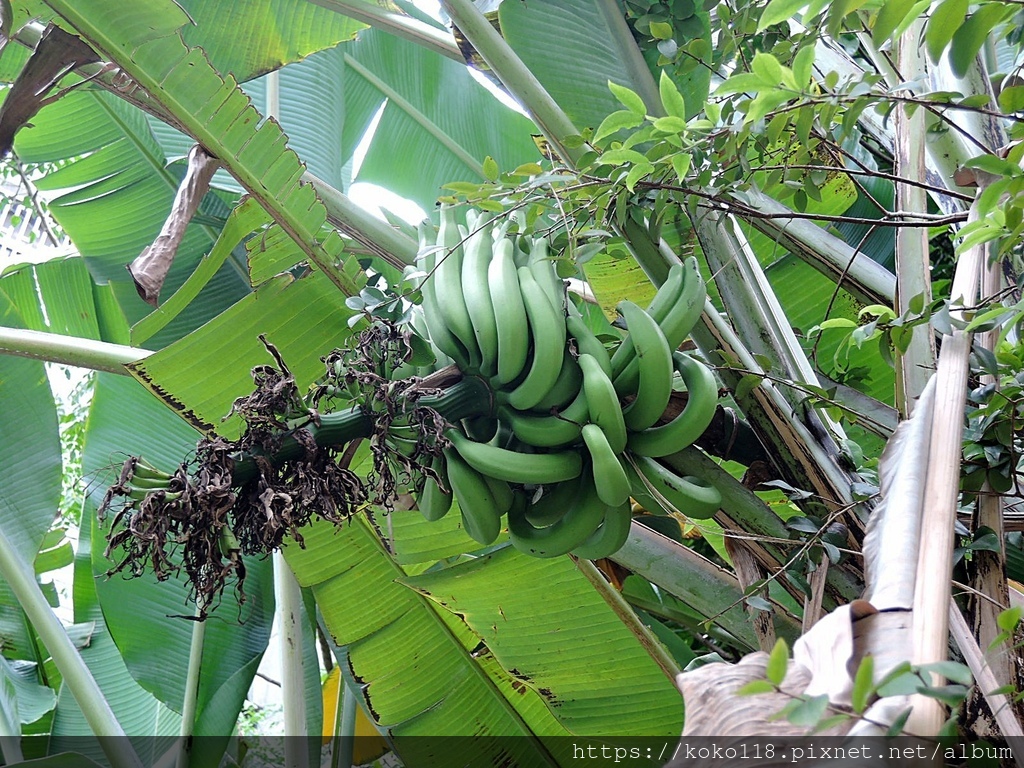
(543, 270)
(547, 329)
(480, 428)
(565, 388)
(667, 296)
(654, 368)
(676, 323)
(434, 501)
(502, 493)
(448, 285)
(478, 251)
(480, 516)
(610, 477)
(514, 466)
(143, 470)
(576, 526)
(556, 500)
(686, 311)
(689, 495)
(585, 340)
(419, 325)
(149, 483)
(691, 422)
(610, 536)
(603, 403)
(509, 313)
(440, 337)
(547, 431)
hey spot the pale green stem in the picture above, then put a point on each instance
(398, 24)
(346, 730)
(75, 674)
(628, 616)
(753, 307)
(289, 607)
(191, 702)
(857, 273)
(515, 76)
(362, 226)
(288, 596)
(913, 265)
(10, 736)
(942, 489)
(69, 350)
(702, 585)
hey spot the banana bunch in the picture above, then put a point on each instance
(575, 430)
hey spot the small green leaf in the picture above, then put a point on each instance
(767, 68)
(756, 687)
(950, 670)
(863, 686)
(778, 10)
(670, 124)
(778, 661)
(463, 187)
(681, 165)
(972, 34)
(1012, 99)
(615, 122)
(1009, 619)
(671, 99)
(661, 30)
(490, 169)
(629, 99)
(950, 695)
(896, 728)
(902, 685)
(759, 603)
(802, 66)
(528, 169)
(622, 156)
(637, 172)
(808, 711)
(746, 384)
(889, 17)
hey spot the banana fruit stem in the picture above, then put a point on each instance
(467, 397)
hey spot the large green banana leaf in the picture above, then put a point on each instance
(437, 125)
(30, 463)
(575, 48)
(143, 615)
(112, 195)
(450, 676)
(30, 458)
(216, 112)
(250, 37)
(151, 724)
(305, 319)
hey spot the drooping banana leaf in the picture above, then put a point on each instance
(305, 319)
(250, 37)
(217, 113)
(537, 619)
(55, 296)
